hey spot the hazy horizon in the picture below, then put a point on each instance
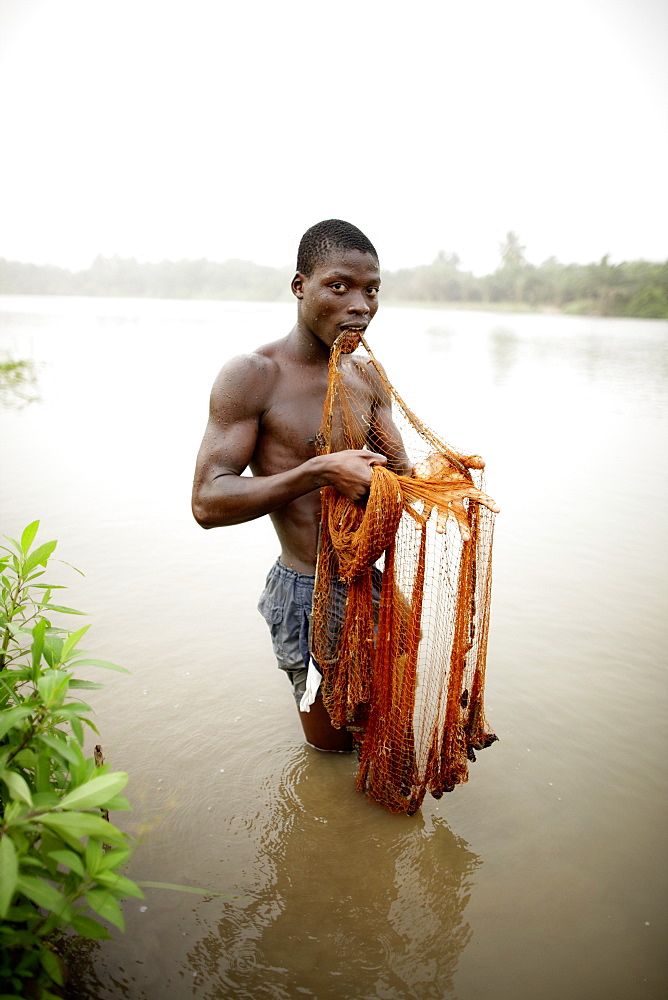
(290, 266)
(204, 130)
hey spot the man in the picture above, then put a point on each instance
(266, 410)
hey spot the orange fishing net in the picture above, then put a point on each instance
(401, 601)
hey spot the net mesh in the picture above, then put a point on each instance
(401, 602)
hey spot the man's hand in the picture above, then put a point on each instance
(349, 472)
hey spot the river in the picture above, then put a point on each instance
(541, 876)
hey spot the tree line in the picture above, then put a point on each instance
(632, 288)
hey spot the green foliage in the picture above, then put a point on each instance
(166, 279)
(632, 288)
(59, 858)
(18, 381)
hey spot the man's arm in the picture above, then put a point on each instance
(384, 435)
(221, 495)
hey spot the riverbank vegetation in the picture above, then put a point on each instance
(630, 288)
(18, 381)
(60, 857)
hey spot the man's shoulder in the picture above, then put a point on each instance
(247, 382)
(362, 367)
(258, 365)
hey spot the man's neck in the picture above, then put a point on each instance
(305, 347)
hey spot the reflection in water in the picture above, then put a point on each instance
(503, 350)
(83, 981)
(354, 903)
(628, 364)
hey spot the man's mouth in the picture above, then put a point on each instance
(349, 338)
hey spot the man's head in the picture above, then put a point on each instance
(318, 243)
(336, 283)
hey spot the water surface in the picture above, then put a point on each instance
(542, 876)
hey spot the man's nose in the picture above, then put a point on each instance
(358, 304)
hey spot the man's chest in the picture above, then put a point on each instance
(295, 416)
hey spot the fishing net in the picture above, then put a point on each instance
(401, 602)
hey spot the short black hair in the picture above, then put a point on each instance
(333, 234)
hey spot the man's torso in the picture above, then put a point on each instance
(290, 418)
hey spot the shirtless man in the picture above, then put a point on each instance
(266, 409)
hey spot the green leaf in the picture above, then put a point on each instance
(115, 858)
(52, 966)
(117, 803)
(9, 870)
(44, 894)
(28, 536)
(53, 646)
(71, 826)
(62, 609)
(39, 557)
(35, 575)
(95, 792)
(86, 685)
(89, 928)
(52, 686)
(14, 543)
(9, 681)
(98, 663)
(77, 729)
(41, 801)
(93, 855)
(17, 786)
(72, 640)
(121, 886)
(76, 707)
(60, 747)
(37, 646)
(21, 914)
(104, 904)
(26, 759)
(43, 771)
(11, 717)
(66, 563)
(14, 814)
(70, 860)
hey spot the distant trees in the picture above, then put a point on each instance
(513, 272)
(632, 288)
(127, 277)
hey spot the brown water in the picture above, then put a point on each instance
(542, 876)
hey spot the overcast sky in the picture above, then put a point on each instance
(206, 128)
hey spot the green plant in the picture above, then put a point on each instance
(18, 381)
(60, 860)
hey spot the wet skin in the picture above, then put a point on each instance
(266, 409)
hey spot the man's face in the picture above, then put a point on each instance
(340, 295)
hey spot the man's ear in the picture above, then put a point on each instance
(298, 285)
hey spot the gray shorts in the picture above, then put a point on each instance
(285, 604)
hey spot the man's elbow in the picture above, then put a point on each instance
(200, 516)
(203, 514)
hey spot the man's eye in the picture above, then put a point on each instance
(338, 286)
(373, 291)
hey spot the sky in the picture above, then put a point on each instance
(170, 129)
